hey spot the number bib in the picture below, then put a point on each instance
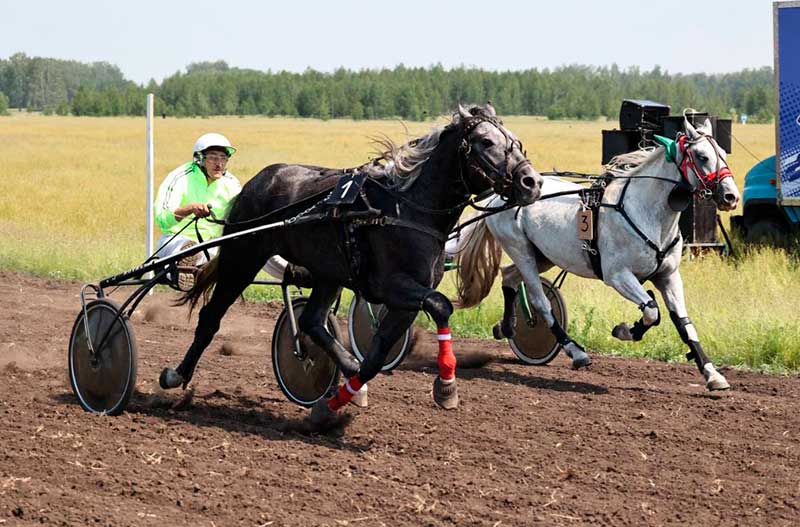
(585, 225)
(347, 189)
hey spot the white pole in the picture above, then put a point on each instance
(148, 249)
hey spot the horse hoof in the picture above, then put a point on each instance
(717, 382)
(322, 417)
(360, 398)
(581, 362)
(579, 357)
(497, 332)
(445, 395)
(622, 332)
(169, 379)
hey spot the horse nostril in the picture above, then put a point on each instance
(730, 197)
(528, 182)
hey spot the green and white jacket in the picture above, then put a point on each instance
(188, 184)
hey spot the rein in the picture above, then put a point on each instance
(501, 184)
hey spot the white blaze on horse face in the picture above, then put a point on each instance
(490, 142)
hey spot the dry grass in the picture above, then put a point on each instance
(75, 197)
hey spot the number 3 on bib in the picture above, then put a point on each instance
(585, 226)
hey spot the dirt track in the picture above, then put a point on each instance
(625, 443)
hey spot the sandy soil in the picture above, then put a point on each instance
(627, 442)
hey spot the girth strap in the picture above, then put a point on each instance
(594, 253)
(399, 222)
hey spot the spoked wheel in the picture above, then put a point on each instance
(533, 342)
(103, 381)
(362, 324)
(307, 378)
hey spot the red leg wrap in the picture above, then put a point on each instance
(447, 361)
(345, 393)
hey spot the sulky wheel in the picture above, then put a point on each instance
(533, 342)
(102, 381)
(304, 380)
(362, 323)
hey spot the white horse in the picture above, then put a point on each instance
(637, 238)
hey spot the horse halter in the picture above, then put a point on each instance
(708, 181)
(501, 179)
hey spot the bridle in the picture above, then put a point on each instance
(706, 184)
(708, 181)
(501, 179)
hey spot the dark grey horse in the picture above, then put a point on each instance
(421, 191)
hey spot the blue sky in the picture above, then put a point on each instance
(149, 39)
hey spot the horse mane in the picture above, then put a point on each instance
(632, 162)
(404, 162)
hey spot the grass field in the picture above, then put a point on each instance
(75, 197)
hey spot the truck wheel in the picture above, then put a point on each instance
(765, 230)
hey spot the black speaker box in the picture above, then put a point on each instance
(720, 128)
(723, 133)
(639, 114)
(616, 142)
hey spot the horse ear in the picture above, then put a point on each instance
(705, 128)
(463, 112)
(690, 130)
(490, 109)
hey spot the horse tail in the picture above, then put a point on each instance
(478, 263)
(203, 284)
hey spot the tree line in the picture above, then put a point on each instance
(214, 88)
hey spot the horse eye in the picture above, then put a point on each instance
(702, 157)
(488, 143)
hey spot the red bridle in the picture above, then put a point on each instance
(707, 181)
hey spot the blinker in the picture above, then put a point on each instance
(680, 197)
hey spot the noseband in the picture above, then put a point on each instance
(500, 179)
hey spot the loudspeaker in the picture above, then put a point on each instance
(639, 114)
(616, 142)
(720, 128)
(723, 133)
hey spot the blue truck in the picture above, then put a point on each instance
(765, 215)
(771, 198)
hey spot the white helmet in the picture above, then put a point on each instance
(207, 141)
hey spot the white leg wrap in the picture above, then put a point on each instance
(691, 333)
(649, 315)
